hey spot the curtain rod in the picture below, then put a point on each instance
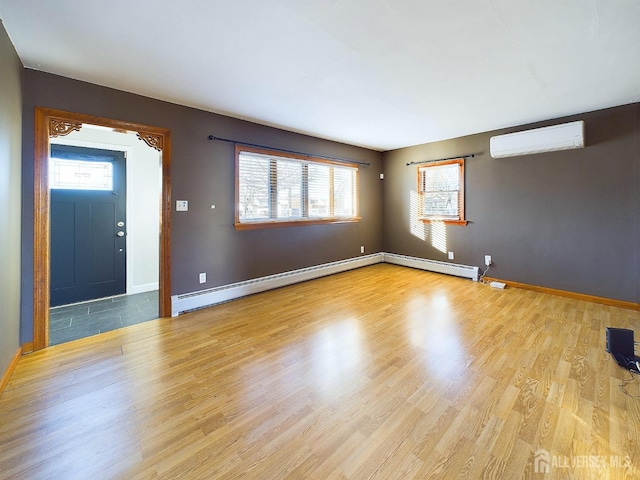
(213, 137)
(471, 155)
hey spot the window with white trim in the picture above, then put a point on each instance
(441, 189)
(276, 189)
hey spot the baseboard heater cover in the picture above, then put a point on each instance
(206, 298)
(433, 265)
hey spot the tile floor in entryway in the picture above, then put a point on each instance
(80, 320)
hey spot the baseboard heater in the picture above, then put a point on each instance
(205, 298)
(433, 265)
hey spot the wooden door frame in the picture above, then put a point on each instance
(52, 123)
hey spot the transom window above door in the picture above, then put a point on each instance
(80, 175)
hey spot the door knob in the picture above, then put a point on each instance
(120, 233)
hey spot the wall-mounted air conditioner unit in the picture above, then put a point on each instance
(546, 139)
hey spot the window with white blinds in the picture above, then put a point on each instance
(441, 187)
(276, 188)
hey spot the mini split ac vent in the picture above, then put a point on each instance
(547, 139)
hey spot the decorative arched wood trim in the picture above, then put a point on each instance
(59, 128)
(154, 141)
(50, 123)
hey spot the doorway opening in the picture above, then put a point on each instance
(104, 224)
(51, 125)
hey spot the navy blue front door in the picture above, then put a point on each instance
(88, 224)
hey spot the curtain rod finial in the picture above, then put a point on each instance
(211, 137)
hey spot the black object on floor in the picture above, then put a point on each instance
(621, 345)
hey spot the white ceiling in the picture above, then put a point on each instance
(376, 73)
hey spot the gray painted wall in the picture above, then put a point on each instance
(202, 172)
(566, 220)
(10, 165)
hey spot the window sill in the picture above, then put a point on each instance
(291, 223)
(445, 221)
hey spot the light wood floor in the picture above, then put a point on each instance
(383, 372)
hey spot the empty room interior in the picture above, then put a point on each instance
(319, 239)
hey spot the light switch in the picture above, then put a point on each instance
(182, 205)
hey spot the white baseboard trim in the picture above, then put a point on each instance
(205, 298)
(433, 265)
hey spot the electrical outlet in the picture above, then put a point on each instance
(182, 206)
(203, 278)
(450, 254)
(361, 248)
(487, 260)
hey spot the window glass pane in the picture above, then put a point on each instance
(440, 189)
(289, 182)
(274, 187)
(344, 192)
(441, 178)
(253, 185)
(80, 175)
(441, 203)
(319, 190)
